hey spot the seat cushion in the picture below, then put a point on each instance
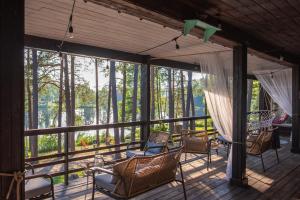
(131, 153)
(154, 150)
(36, 187)
(104, 181)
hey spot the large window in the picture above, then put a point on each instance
(64, 91)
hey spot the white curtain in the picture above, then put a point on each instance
(278, 85)
(217, 80)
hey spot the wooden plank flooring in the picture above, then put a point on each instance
(280, 181)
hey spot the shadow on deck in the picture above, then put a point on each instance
(280, 181)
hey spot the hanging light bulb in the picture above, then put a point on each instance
(177, 45)
(71, 35)
(281, 58)
(107, 66)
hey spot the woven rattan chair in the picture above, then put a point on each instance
(196, 142)
(138, 175)
(157, 143)
(257, 144)
(38, 186)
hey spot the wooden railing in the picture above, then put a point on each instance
(70, 156)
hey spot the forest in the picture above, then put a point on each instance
(74, 90)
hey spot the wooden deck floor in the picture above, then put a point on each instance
(280, 181)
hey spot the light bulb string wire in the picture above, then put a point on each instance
(162, 44)
(68, 26)
(272, 72)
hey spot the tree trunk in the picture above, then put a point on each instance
(157, 94)
(123, 102)
(192, 124)
(97, 101)
(35, 104)
(134, 99)
(67, 96)
(29, 97)
(182, 97)
(171, 100)
(29, 100)
(108, 111)
(60, 102)
(152, 75)
(249, 94)
(73, 115)
(189, 97)
(114, 103)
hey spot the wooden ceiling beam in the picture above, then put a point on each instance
(81, 49)
(170, 15)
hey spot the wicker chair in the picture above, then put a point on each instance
(257, 144)
(138, 175)
(157, 143)
(38, 186)
(196, 142)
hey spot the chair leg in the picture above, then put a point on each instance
(182, 179)
(185, 157)
(52, 190)
(217, 151)
(262, 162)
(277, 155)
(207, 161)
(93, 192)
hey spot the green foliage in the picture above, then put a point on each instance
(83, 138)
(255, 96)
(47, 143)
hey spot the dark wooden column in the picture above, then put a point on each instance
(11, 91)
(239, 115)
(145, 101)
(296, 111)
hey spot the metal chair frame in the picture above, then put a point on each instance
(46, 176)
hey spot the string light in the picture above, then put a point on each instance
(281, 58)
(69, 29)
(176, 44)
(107, 66)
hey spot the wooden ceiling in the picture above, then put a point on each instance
(102, 26)
(272, 24)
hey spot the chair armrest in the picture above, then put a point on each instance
(100, 169)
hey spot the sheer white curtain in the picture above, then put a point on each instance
(217, 80)
(279, 86)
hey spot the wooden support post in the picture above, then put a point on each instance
(296, 110)
(239, 115)
(12, 93)
(145, 102)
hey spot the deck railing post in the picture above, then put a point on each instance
(145, 101)
(296, 110)
(239, 115)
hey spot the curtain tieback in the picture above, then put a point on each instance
(17, 177)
